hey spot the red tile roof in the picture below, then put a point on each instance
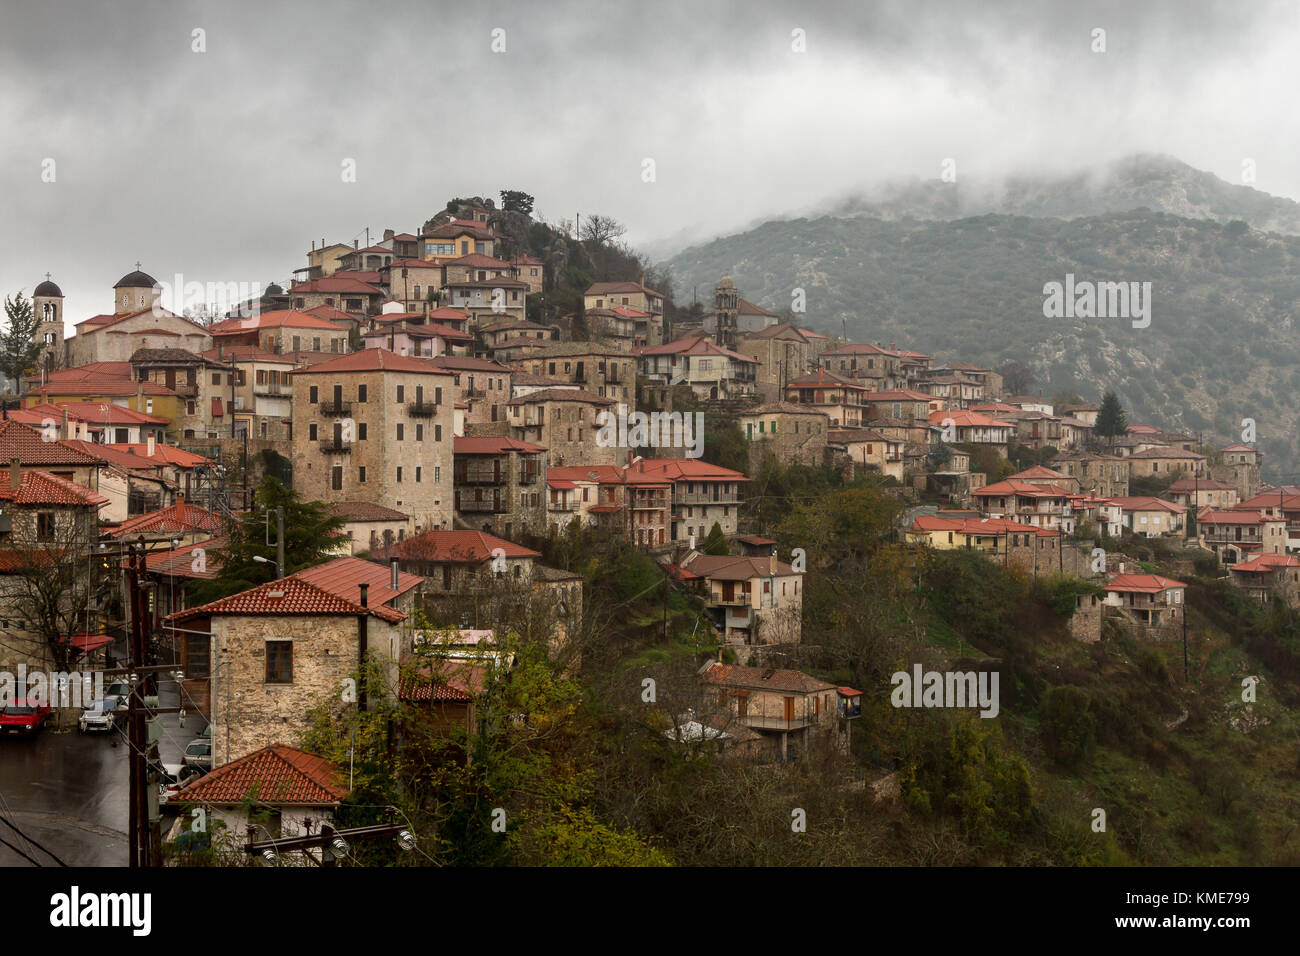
(42, 488)
(452, 681)
(365, 511)
(182, 516)
(1264, 563)
(967, 419)
(459, 547)
(370, 360)
(162, 454)
(94, 413)
(281, 318)
(336, 283)
(759, 678)
(1026, 488)
(1143, 583)
(492, 445)
(28, 445)
(291, 596)
(179, 562)
(275, 775)
(684, 469)
(344, 577)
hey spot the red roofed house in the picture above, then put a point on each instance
(782, 353)
(787, 706)
(966, 427)
(711, 371)
(1148, 602)
(1145, 516)
(500, 484)
(1207, 493)
(1002, 540)
(276, 790)
(633, 295)
(1265, 576)
(877, 367)
(839, 398)
(347, 294)
(754, 602)
(482, 385)
(97, 422)
(375, 426)
(286, 647)
(1238, 534)
(62, 459)
(282, 331)
(42, 519)
(702, 494)
(180, 520)
(1028, 502)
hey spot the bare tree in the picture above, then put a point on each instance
(601, 230)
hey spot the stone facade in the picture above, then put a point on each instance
(381, 435)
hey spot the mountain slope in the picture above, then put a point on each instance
(1222, 344)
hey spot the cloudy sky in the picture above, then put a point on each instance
(224, 165)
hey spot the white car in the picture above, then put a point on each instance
(100, 715)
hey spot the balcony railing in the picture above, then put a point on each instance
(421, 409)
(332, 409)
(272, 388)
(332, 446)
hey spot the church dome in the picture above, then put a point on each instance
(135, 280)
(726, 283)
(48, 289)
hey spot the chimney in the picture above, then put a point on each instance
(15, 473)
(388, 234)
(365, 594)
(392, 563)
(356, 243)
(313, 245)
(150, 445)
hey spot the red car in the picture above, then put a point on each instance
(23, 717)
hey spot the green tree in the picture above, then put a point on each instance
(514, 200)
(1069, 730)
(716, 542)
(1111, 420)
(310, 537)
(19, 346)
(1017, 377)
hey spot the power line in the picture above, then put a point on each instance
(32, 842)
(19, 852)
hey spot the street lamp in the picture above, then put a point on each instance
(261, 560)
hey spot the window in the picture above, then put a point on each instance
(401, 393)
(311, 432)
(216, 378)
(419, 434)
(437, 433)
(361, 474)
(279, 662)
(401, 431)
(418, 469)
(399, 474)
(45, 526)
(361, 431)
(361, 393)
(315, 343)
(313, 394)
(437, 474)
(336, 478)
(148, 406)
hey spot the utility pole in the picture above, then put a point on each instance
(279, 541)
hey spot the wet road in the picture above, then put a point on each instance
(68, 791)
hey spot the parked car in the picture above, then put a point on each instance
(198, 755)
(103, 714)
(23, 717)
(119, 691)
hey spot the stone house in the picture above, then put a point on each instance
(788, 706)
(840, 399)
(790, 433)
(1149, 605)
(277, 651)
(1103, 475)
(370, 526)
(1198, 493)
(877, 367)
(867, 450)
(484, 387)
(783, 353)
(499, 484)
(354, 296)
(701, 494)
(754, 602)
(608, 372)
(1237, 535)
(1150, 517)
(376, 426)
(634, 295)
(1165, 460)
(1265, 576)
(1038, 505)
(708, 369)
(565, 422)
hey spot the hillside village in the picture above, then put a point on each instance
(461, 412)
